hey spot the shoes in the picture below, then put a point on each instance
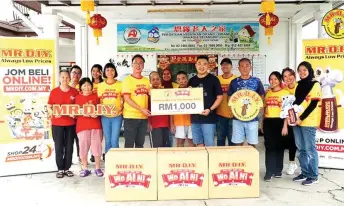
(278, 175)
(310, 181)
(99, 172)
(267, 178)
(291, 168)
(300, 178)
(84, 173)
(92, 158)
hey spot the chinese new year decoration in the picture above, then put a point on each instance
(268, 20)
(97, 23)
(87, 6)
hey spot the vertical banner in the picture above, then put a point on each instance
(27, 72)
(327, 59)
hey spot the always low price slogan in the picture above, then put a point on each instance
(177, 101)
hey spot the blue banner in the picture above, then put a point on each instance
(188, 37)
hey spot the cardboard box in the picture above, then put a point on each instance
(233, 172)
(182, 173)
(130, 174)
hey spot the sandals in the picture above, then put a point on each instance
(84, 173)
(99, 172)
(60, 174)
(69, 173)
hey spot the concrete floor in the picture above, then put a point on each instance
(45, 189)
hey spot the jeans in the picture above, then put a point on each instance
(171, 137)
(224, 128)
(203, 134)
(245, 129)
(308, 155)
(111, 129)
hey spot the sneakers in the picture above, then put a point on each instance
(278, 175)
(310, 181)
(299, 178)
(267, 178)
(291, 168)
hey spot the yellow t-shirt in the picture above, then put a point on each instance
(223, 109)
(273, 103)
(95, 87)
(182, 120)
(139, 91)
(312, 119)
(77, 86)
(175, 85)
(292, 90)
(110, 94)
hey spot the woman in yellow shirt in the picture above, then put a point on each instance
(109, 93)
(274, 128)
(96, 73)
(307, 95)
(289, 78)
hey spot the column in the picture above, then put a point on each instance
(81, 49)
(318, 16)
(50, 25)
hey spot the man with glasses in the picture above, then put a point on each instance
(135, 90)
(76, 74)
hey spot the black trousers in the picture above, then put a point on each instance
(63, 137)
(274, 145)
(160, 137)
(135, 131)
(77, 145)
(290, 142)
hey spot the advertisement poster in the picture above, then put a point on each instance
(327, 59)
(185, 63)
(27, 68)
(188, 37)
(124, 68)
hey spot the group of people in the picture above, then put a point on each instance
(131, 100)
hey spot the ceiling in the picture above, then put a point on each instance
(137, 10)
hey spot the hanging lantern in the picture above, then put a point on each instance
(97, 23)
(267, 6)
(269, 21)
(87, 6)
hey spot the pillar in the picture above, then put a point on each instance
(81, 47)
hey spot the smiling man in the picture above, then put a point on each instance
(135, 90)
(203, 125)
(248, 129)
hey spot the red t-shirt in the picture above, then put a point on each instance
(86, 123)
(57, 96)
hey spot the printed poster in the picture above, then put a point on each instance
(188, 37)
(185, 63)
(327, 59)
(27, 71)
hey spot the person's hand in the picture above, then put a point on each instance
(72, 116)
(94, 116)
(205, 112)
(56, 116)
(298, 121)
(149, 128)
(284, 131)
(146, 112)
(173, 129)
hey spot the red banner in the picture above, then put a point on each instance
(185, 177)
(129, 179)
(229, 177)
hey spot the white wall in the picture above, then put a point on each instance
(277, 52)
(66, 54)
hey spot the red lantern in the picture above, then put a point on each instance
(269, 21)
(97, 23)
